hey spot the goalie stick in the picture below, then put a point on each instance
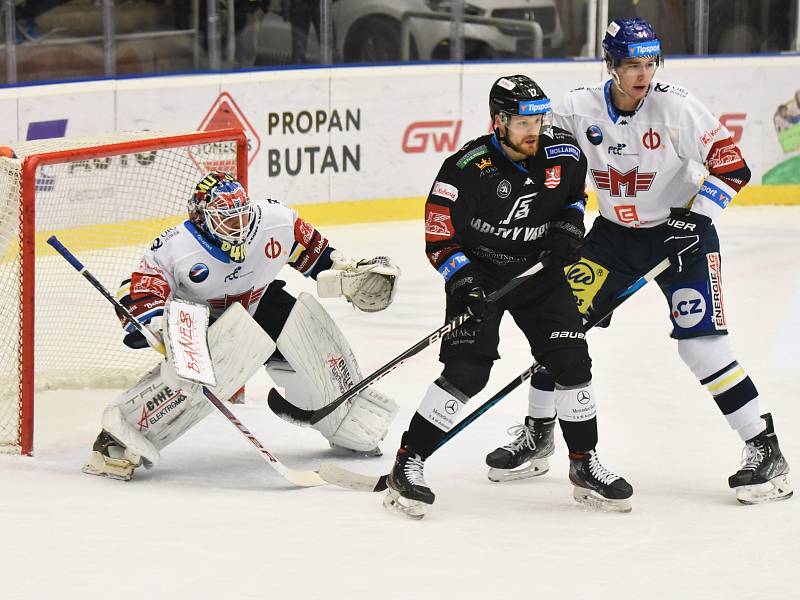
(370, 483)
(298, 478)
(301, 416)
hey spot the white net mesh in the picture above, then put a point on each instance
(106, 210)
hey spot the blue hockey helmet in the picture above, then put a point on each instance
(630, 38)
(221, 209)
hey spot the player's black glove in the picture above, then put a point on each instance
(467, 293)
(562, 244)
(684, 240)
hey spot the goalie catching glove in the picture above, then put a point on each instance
(368, 284)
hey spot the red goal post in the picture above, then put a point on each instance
(107, 198)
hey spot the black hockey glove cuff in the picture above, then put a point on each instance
(684, 238)
(562, 244)
(466, 291)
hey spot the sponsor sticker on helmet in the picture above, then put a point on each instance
(506, 83)
(534, 107)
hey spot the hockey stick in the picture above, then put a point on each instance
(300, 416)
(299, 478)
(366, 483)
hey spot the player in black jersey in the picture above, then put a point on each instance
(504, 202)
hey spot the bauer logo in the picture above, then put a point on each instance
(438, 136)
(198, 273)
(221, 156)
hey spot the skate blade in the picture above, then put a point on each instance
(103, 466)
(595, 501)
(775, 489)
(532, 468)
(411, 509)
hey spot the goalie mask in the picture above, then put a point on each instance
(519, 96)
(221, 209)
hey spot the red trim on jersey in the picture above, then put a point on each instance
(312, 242)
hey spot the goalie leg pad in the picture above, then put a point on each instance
(150, 415)
(319, 367)
(367, 421)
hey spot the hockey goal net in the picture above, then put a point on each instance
(106, 198)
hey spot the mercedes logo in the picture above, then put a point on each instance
(583, 397)
(451, 406)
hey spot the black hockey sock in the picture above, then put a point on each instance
(580, 436)
(422, 437)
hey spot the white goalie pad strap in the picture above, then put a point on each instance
(575, 404)
(321, 364)
(367, 421)
(370, 285)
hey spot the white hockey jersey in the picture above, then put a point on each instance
(181, 262)
(645, 163)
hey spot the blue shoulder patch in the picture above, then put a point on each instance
(213, 250)
(563, 150)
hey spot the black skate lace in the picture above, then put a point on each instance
(414, 470)
(523, 436)
(751, 457)
(599, 472)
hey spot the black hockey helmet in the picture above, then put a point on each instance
(517, 95)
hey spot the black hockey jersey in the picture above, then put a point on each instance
(487, 210)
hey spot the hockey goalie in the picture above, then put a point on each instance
(227, 256)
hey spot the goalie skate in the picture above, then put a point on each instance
(526, 455)
(108, 459)
(764, 473)
(595, 486)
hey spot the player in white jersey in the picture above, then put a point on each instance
(664, 168)
(230, 251)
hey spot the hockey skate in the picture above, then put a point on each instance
(597, 487)
(764, 473)
(408, 494)
(526, 455)
(109, 459)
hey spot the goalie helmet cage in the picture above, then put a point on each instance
(107, 198)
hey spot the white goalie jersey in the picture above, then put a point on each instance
(181, 262)
(669, 153)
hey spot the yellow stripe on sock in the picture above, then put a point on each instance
(727, 382)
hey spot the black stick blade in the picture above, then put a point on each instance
(288, 411)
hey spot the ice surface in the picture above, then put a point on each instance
(214, 521)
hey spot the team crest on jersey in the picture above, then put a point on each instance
(504, 189)
(632, 182)
(198, 273)
(552, 177)
(246, 298)
(563, 150)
